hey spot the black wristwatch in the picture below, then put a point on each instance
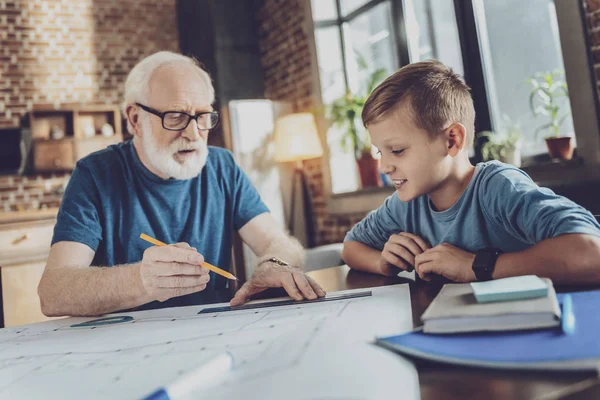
(485, 262)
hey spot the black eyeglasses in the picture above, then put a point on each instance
(178, 120)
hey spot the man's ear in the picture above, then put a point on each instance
(133, 120)
(456, 138)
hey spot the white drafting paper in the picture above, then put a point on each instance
(302, 351)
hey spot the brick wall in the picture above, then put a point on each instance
(66, 51)
(285, 54)
(26, 193)
(287, 63)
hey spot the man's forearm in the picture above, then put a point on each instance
(573, 258)
(91, 290)
(361, 257)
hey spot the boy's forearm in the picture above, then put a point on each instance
(567, 259)
(361, 257)
(91, 290)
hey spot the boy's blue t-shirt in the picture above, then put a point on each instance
(501, 207)
(112, 198)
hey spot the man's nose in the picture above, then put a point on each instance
(192, 133)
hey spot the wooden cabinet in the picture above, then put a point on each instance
(54, 155)
(24, 249)
(63, 136)
(21, 303)
(84, 147)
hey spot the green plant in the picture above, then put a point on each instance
(547, 90)
(501, 144)
(345, 112)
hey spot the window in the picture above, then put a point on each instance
(324, 10)
(354, 38)
(495, 45)
(344, 177)
(511, 56)
(432, 32)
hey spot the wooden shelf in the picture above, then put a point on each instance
(26, 216)
(82, 126)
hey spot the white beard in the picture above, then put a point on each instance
(162, 159)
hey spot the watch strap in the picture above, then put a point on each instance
(485, 263)
(273, 260)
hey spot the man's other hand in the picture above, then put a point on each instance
(270, 275)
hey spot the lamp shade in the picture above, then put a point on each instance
(296, 138)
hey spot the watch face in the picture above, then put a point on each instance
(485, 260)
(485, 263)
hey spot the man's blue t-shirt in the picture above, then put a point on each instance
(112, 198)
(501, 207)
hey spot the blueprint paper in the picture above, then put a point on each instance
(303, 351)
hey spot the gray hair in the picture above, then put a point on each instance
(138, 81)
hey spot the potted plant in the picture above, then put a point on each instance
(345, 113)
(504, 145)
(548, 89)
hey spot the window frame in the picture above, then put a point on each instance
(402, 50)
(579, 73)
(580, 77)
(361, 200)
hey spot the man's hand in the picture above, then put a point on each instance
(297, 285)
(172, 271)
(448, 261)
(399, 253)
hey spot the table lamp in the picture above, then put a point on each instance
(297, 139)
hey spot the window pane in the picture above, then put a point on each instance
(350, 5)
(511, 56)
(344, 172)
(369, 46)
(344, 177)
(324, 10)
(331, 70)
(432, 32)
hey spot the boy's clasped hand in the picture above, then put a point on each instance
(407, 252)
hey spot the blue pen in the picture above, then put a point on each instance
(568, 317)
(207, 374)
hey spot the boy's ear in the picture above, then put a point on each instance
(456, 137)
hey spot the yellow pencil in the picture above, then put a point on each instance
(206, 265)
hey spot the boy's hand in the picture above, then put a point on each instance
(448, 261)
(399, 253)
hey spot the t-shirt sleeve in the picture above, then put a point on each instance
(531, 213)
(78, 217)
(377, 227)
(247, 203)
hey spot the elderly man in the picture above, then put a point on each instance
(168, 183)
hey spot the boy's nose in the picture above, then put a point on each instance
(386, 168)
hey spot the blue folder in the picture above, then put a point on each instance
(547, 349)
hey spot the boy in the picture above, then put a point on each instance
(451, 218)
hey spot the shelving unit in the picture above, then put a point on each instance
(82, 129)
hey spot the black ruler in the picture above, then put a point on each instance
(286, 302)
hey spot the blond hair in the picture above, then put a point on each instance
(435, 95)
